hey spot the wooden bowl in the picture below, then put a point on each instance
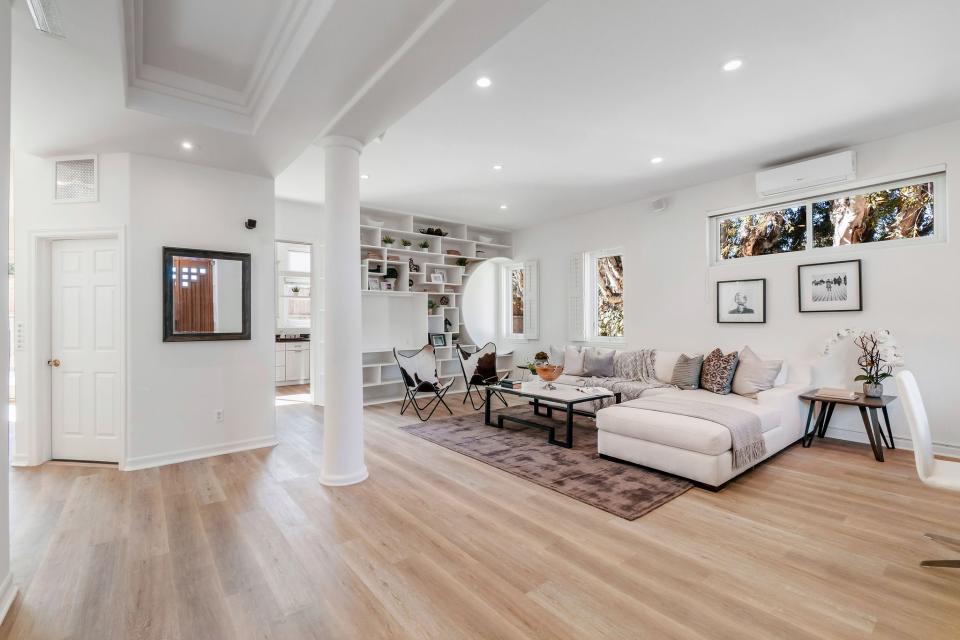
(549, 372)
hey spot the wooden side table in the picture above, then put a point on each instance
(868, 413)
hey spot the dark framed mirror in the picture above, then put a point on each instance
(206, 295)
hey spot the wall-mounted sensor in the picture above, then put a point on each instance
(250, 223)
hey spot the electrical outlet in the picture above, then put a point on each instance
(219, 415)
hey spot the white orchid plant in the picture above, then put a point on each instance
(880, 353)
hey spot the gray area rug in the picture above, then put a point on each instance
(621, 489)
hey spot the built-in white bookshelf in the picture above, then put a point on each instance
(403, 316)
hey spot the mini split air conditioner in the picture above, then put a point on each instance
(800, 176)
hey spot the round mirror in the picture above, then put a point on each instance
(479, 307)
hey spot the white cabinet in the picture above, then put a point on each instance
(292, 362)
(297, 361)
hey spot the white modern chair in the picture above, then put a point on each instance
(941, 474)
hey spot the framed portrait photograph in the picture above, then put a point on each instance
(829, 286)
(373, 284)
(742, 301)
(386, 286)
(438, 339)
(437, 277)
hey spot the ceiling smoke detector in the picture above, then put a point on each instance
(46, 17)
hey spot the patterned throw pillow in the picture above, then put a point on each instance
(686, 373)
(718, 370)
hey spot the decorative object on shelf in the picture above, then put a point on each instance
(485, 239)
(481, 253)
(405, 243)
(879, 356)
(387, 241)
(373, 284)
(438, 339)
(393, 258)
(425, 246)
(386, 286)
(437, 277)
(462, 262)
(373, 255)
(447, 325)
(431, 305)
(444, 301)
(376, 268)
(410, 283)
(414, 267)
(453, 252)
(829, 286)
(431, 231)
(742, 301)
(391, 278)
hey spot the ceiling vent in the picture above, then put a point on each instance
(800, 176)
(75, 179)
(46, 17)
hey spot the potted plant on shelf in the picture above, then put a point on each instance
(295, 290)
(391, 277)
(431, 305)
(462, 262)
(425, 246)
(387, 241)
(405, 243)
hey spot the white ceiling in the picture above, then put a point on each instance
(585, 93)
(250, 82)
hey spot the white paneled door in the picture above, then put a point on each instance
(86, 350)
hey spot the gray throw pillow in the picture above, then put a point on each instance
(686, 373)
(598, 362)
(754, 375)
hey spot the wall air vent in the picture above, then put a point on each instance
(799, 176)
(75, 179)
(46, 17)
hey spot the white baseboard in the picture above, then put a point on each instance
(858, 434)
(20, 460)
(8, 593)
(173, 457)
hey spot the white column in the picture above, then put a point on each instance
(342, 371)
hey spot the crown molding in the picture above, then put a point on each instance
(172, 94)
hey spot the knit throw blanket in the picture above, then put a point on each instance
(635, 374)
(746, 437)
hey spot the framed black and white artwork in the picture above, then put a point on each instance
(742, 301)
(829, 286)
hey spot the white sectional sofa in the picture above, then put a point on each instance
(692, 447)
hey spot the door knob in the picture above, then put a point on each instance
(53, 363)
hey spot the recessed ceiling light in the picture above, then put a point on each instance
(364, 176)
(503, 206)
(484, 81)
(732, 65)
(186, 145)
(656, 160)
(497, 167)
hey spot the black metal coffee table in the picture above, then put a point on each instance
(567, 397)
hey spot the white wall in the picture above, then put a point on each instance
(7, 590)
(176, 388)
(670, 286)
(173, 389)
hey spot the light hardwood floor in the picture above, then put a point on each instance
(818, 543)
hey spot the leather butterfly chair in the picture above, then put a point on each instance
(480, 370)
(419, 372)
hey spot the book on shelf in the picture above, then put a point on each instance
(831, 392)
